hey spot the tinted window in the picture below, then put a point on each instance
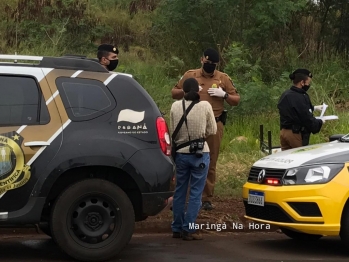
(20, 103)
(85, 98)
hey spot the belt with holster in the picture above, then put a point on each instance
(222, 117)
(296, 129)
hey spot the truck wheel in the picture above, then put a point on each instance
(93, 220)
(300, 236)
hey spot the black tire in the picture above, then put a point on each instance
(300, 236)
(93, 220)
(344, 231)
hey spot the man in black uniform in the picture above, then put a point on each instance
(297, 121)
(108, 56)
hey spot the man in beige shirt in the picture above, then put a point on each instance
(191, 165)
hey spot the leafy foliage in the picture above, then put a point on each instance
(61, 22)
(260, 42)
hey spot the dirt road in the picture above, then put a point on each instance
(161, 247)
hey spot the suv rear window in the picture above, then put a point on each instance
(20, 102)
(84, 99)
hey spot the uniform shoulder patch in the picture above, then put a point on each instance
(191, 72)
(229, 78)
(224, 75)
(187, 74)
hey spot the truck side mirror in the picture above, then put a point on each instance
(336, 137)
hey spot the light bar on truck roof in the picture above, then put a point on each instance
(69, 63)
(21, 57)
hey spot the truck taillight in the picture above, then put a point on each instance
(163, 136)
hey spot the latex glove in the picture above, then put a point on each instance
(200, 88)
(318, 108)
(219, 92)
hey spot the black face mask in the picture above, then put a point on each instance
(306, 87)
(112, 65)
(209, 68)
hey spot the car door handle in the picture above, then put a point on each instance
(37, 143)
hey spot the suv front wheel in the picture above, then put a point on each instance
(93, 220)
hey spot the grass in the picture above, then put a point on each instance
(240, 145)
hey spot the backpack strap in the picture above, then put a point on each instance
(180, 123)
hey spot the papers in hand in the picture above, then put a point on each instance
(324, 107)
(327, 117)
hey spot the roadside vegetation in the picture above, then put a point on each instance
(260, 42)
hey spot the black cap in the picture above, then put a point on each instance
(211, 55)
(108, 48)
(190, 84)
(301, 71)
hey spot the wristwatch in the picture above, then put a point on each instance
(226, 95)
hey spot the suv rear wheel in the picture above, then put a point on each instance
(299, 235)
(93, 220)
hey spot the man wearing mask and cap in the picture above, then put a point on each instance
(215, 87)
(297, 121)
(108, 56)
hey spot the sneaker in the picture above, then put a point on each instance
(191, 236)
(207, 205)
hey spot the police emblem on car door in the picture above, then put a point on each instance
(29, 123)
(13, 171)
(5, 160)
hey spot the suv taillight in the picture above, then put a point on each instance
(163, 136)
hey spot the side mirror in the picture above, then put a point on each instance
(336, 137)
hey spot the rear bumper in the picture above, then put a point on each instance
(154, 203)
